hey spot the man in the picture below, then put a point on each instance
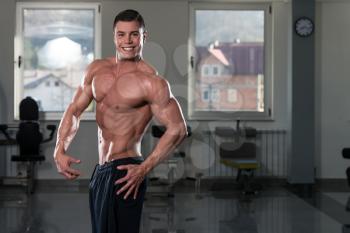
(128, 93)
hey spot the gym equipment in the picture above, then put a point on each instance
(240, 154)
(346, 155)
(28, 138)
(157, 132)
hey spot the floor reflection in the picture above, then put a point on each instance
(274, 211)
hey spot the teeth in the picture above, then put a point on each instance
(128, 49)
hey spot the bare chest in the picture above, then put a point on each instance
(119, 92)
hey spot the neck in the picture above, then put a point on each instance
(126, 65)
(133, 59)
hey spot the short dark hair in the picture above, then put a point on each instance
(128, 16)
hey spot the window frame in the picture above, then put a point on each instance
(205, 91)
(217, 67)
(232, 91)
(267, 114)
(204, 69)
(19, 49)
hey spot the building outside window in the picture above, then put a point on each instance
(232, 95)
(54, 44)
(216, 70)
(232, 60)
(205, 95)
(205, 70)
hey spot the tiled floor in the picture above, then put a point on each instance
(273, 211)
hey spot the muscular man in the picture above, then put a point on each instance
(128, 93)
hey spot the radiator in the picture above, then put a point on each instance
(271, 154)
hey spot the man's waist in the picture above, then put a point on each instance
(121, 161)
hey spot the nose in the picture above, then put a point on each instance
(128, 39)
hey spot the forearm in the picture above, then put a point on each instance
(67, 129)
(166, 144)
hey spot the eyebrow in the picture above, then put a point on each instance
(126, 32)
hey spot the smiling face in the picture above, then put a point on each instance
(128, 39)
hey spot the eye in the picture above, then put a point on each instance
(135, 34)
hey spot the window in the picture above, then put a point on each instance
(210, 70)
(215, 95)
(210, 95)
(205, 70)
(232, 95)
(235, 48)
(215, 70)
(205, 95)
(54, 43)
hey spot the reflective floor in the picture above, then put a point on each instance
(274, 210)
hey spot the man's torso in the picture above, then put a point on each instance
(122, 112)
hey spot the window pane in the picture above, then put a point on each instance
(58, 44)
(232, 46)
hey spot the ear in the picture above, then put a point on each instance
(145, 36)
(113, 34)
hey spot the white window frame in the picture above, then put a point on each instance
(215, 93)
(205, 90)
(204, 67)
(232, 95)
(267, 114)
(20, 6)
(212, 70)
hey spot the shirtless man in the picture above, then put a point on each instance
(128, 93)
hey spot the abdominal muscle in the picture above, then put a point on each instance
(120, 132)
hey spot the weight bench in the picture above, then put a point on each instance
(243, 159)
(240, 154)
(28, 138)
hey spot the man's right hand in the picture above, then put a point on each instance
(63, 163)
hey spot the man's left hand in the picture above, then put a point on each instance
(133, 178)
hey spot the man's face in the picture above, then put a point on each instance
(128, 39)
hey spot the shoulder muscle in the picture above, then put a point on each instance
(158, 91)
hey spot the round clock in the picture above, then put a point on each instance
(304, 26)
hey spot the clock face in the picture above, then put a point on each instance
(304, 26)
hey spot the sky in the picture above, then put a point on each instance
(229, 26)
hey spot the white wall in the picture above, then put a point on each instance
(167, 23)
(7, 10)
(332, 90)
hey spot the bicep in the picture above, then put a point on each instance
(81, 99)
(170, 114)
(83, 95)
(164, 105)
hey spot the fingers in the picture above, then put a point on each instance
(63, 163)
(129, 191)
(69, 176)
(126, 186)
(136, 191)
(121, 180)
(66, 170)
(72, 171)
(130, 187)
(123, 167)
(74, 160)
(125, 178)
(132, 180)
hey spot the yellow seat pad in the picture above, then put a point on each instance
(241, 163)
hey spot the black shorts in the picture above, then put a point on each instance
(110, 213)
